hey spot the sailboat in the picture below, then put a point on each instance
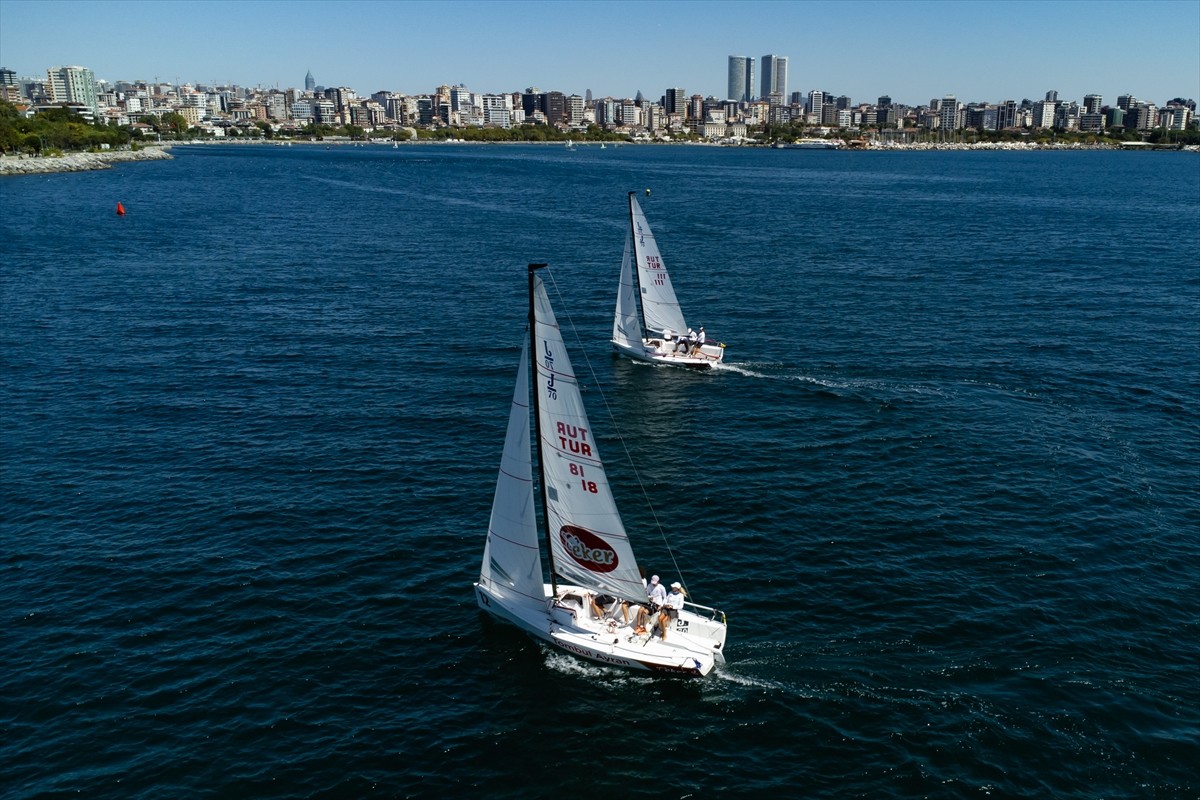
(588, 550)
(649, 324)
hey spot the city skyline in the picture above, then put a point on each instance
(911, 51)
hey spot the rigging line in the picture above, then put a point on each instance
(608, 410)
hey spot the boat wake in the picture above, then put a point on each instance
(725, 366)
(725, 673)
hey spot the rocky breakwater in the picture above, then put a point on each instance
(77, 162)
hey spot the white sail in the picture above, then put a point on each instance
(627, 326)
(512, 566)
(587, 540)
(660, 308)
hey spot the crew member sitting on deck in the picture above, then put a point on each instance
(686, 345)
(671, 609)
(601, 603)
(656, 595)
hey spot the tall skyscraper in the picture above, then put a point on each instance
(675, 101)
(774, 76)
(310, 82)
(72, 85)
(741, 79)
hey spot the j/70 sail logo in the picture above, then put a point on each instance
(589, 550)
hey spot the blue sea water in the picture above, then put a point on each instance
(945, 487)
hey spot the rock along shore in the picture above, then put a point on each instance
(78, 162)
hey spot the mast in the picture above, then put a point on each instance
(535, 395)
(637, 278)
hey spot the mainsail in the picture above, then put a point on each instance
(660, 308)
(512, 566)
(587, 540)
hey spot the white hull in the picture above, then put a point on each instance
(693, 644)
(811, 144)
(656, 351)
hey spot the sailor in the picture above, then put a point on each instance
(656, 596)
(671, 608)
(601, 603)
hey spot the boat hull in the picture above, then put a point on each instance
(565, 623)
(653, 351)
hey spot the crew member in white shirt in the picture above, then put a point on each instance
(671, 608)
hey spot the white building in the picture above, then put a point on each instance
(497, 110)
(72, 85)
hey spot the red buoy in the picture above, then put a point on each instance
(120, 210)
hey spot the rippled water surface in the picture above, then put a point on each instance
(945, 486)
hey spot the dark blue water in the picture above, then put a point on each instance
(946, 487)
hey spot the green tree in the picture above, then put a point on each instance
(175, 123)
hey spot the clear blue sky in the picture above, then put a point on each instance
(913, 51)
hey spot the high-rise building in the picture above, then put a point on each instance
(72, 85)
(948, 113)
(310, 82)
(816, 105)
(556, 108)
(1043, 113)
(533, 100)
(573, 108)
(460, 98)
(774, 76)
(1006, 116)
(675, 101)
(741, 79)
(1092, 103)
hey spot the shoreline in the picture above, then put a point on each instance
(79, 162)
(85, 162)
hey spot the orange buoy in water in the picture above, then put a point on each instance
(120, 210)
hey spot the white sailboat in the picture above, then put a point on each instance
(587, 547)
(649, 324)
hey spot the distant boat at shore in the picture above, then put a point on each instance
(810, 144)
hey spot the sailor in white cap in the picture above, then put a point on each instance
(671, 608)
(656, 596)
